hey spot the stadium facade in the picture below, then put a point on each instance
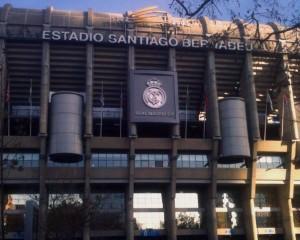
(179, 128)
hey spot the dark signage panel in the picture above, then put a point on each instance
(153, 97)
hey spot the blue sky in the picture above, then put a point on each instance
(97, 5)
(122, 6)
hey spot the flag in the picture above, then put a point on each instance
(269, 101)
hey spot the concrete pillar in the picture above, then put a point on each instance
(212, 194)
(132, 129)
(290, 133)
(215, 135)
(249, 201)
(286, 195)
(44, 99)
(2, 117)
(132, 132)
(248, 92)
(88, 132)
(129, 193)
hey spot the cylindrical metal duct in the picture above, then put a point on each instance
(66, 127)
(235, 142)
(297, 110)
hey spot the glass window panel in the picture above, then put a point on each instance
(230, 219)
(268, 219)
(188, 220)
(186, 200)
(297, 219)
(147, 200)
(149, 220)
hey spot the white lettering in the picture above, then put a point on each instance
(241, 46)
(65, 35)
(56, 35)
(122, 39)
(83, 37)
(195, 43)
(131, 39)
(203, 43)
(163, 41)
(112, 38)
(186, 42)
(173, 42)
(73, 36)
(153, 41)
(231, 45)
(221, 45)
(98, 37)
(46, 35)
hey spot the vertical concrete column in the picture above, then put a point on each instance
(215, 135)
(171, 189)
(249, 94)
(44, 99)
(132, 128)
(88, 130)
(130, 191)
(249, 196)
(132, 132)
(284, 80)
(2, 117)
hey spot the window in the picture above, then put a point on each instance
(229, 211)
(188, 213)
(109, 211)
(65, 165)
(296, 207)
(266, 198)
(268, 219)
(270, 162)
(19, 209)
(297, 219)
(233, 165)
(186, 160)
(148, 211)
(267, 208)
(151, 160)
(109, 160)
(15, 160)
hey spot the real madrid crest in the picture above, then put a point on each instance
(154, 96)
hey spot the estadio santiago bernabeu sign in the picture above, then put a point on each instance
(173, 41)
(153, 96)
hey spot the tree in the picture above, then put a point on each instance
(285, 13)
(186, 221)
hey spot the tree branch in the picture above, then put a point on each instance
(199, 8)
(295, 26)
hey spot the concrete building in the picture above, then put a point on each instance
(173, 129)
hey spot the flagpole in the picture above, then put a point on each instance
(186, 112)
(30, 110)
(266, 112)
(121, 109)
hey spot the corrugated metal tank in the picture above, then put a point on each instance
(66, 127)
(235, 142)
(297, 109)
